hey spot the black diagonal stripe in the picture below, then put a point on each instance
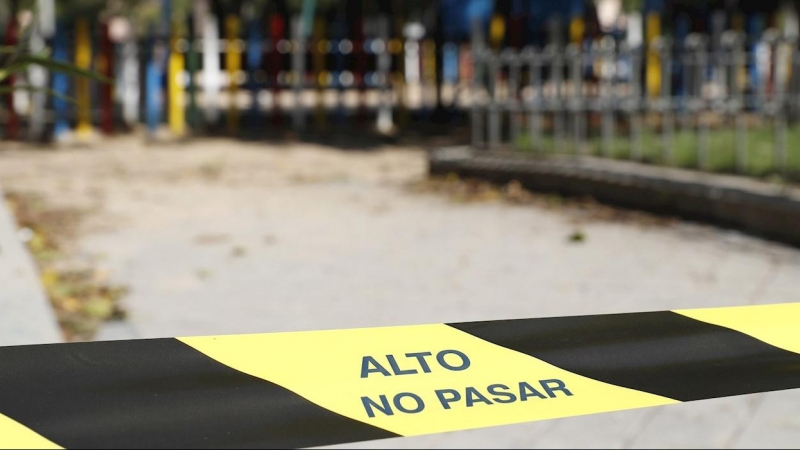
(157, 394)
(662, 353)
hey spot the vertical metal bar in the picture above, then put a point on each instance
(11, 39)
(176, 64)
(608, 73)
(537, 100)
(737, 72)
(279, 46)
(667, 117)
(476, 85)
(83, 60)
(42, 31)
(702, 122)
(360, 67)
(779, 101)
(575, 109)
(253, 53)
(512, 99)
(635, 103)
(211, 68)
(105, 65)
(687, 77)
(298, 72)
(384, 64)
(233, 64)
(37, 77)
(494, 109)
(130, 82)
(46, 28)
(193, 63)
(61, 83)
(557, 75)
(398, 79)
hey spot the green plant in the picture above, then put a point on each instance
(18, 58)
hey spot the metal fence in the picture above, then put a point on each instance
(229, 75)
(724, 103)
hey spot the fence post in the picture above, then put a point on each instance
(397, 48)
(428, 75)
(211, 68)
(129, 88)
(478, 61)
(298, 71)
(653, 63)
(737, 75)
(279, 46)
(37, 77)
(384, 65)
(574, 108)
(536, 102)
(11, 39)
(175, 89)
(253, 52)
(105, 66)
(233, 64)
(60, 83)
(512, 97)
(557, 106)
(320, 48)
(782, 61)
(608, 73)
(493, 62)
(152, 86)
(666, 106)
(696, 46)
(195, 28)
(635, 103)
(46, 29)
(83, 60)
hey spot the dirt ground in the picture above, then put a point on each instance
(219, 236)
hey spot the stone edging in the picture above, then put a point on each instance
(750, 205)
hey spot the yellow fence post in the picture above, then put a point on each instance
(83, 59)
(176, 115)
(428, 69)
(577, 28)
(652, 31)
(233, 64)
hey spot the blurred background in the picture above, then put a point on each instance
(708, 84)
(265, 165)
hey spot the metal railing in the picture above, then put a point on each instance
(713, 104)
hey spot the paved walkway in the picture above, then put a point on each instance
(26, 317)
(234, 238)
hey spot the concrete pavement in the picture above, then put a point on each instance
(237, 238)
(26, 315)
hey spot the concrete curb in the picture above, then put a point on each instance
(750, 205)
(26, 316)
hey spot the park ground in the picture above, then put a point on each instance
(218, 236)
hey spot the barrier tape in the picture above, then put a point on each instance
(326, 387)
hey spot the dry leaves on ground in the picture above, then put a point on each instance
(581, 208)
(82, 297)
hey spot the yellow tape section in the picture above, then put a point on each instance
(21, 436)
(774, 324)
(418, 379)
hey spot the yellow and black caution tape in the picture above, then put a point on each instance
(325, 387)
